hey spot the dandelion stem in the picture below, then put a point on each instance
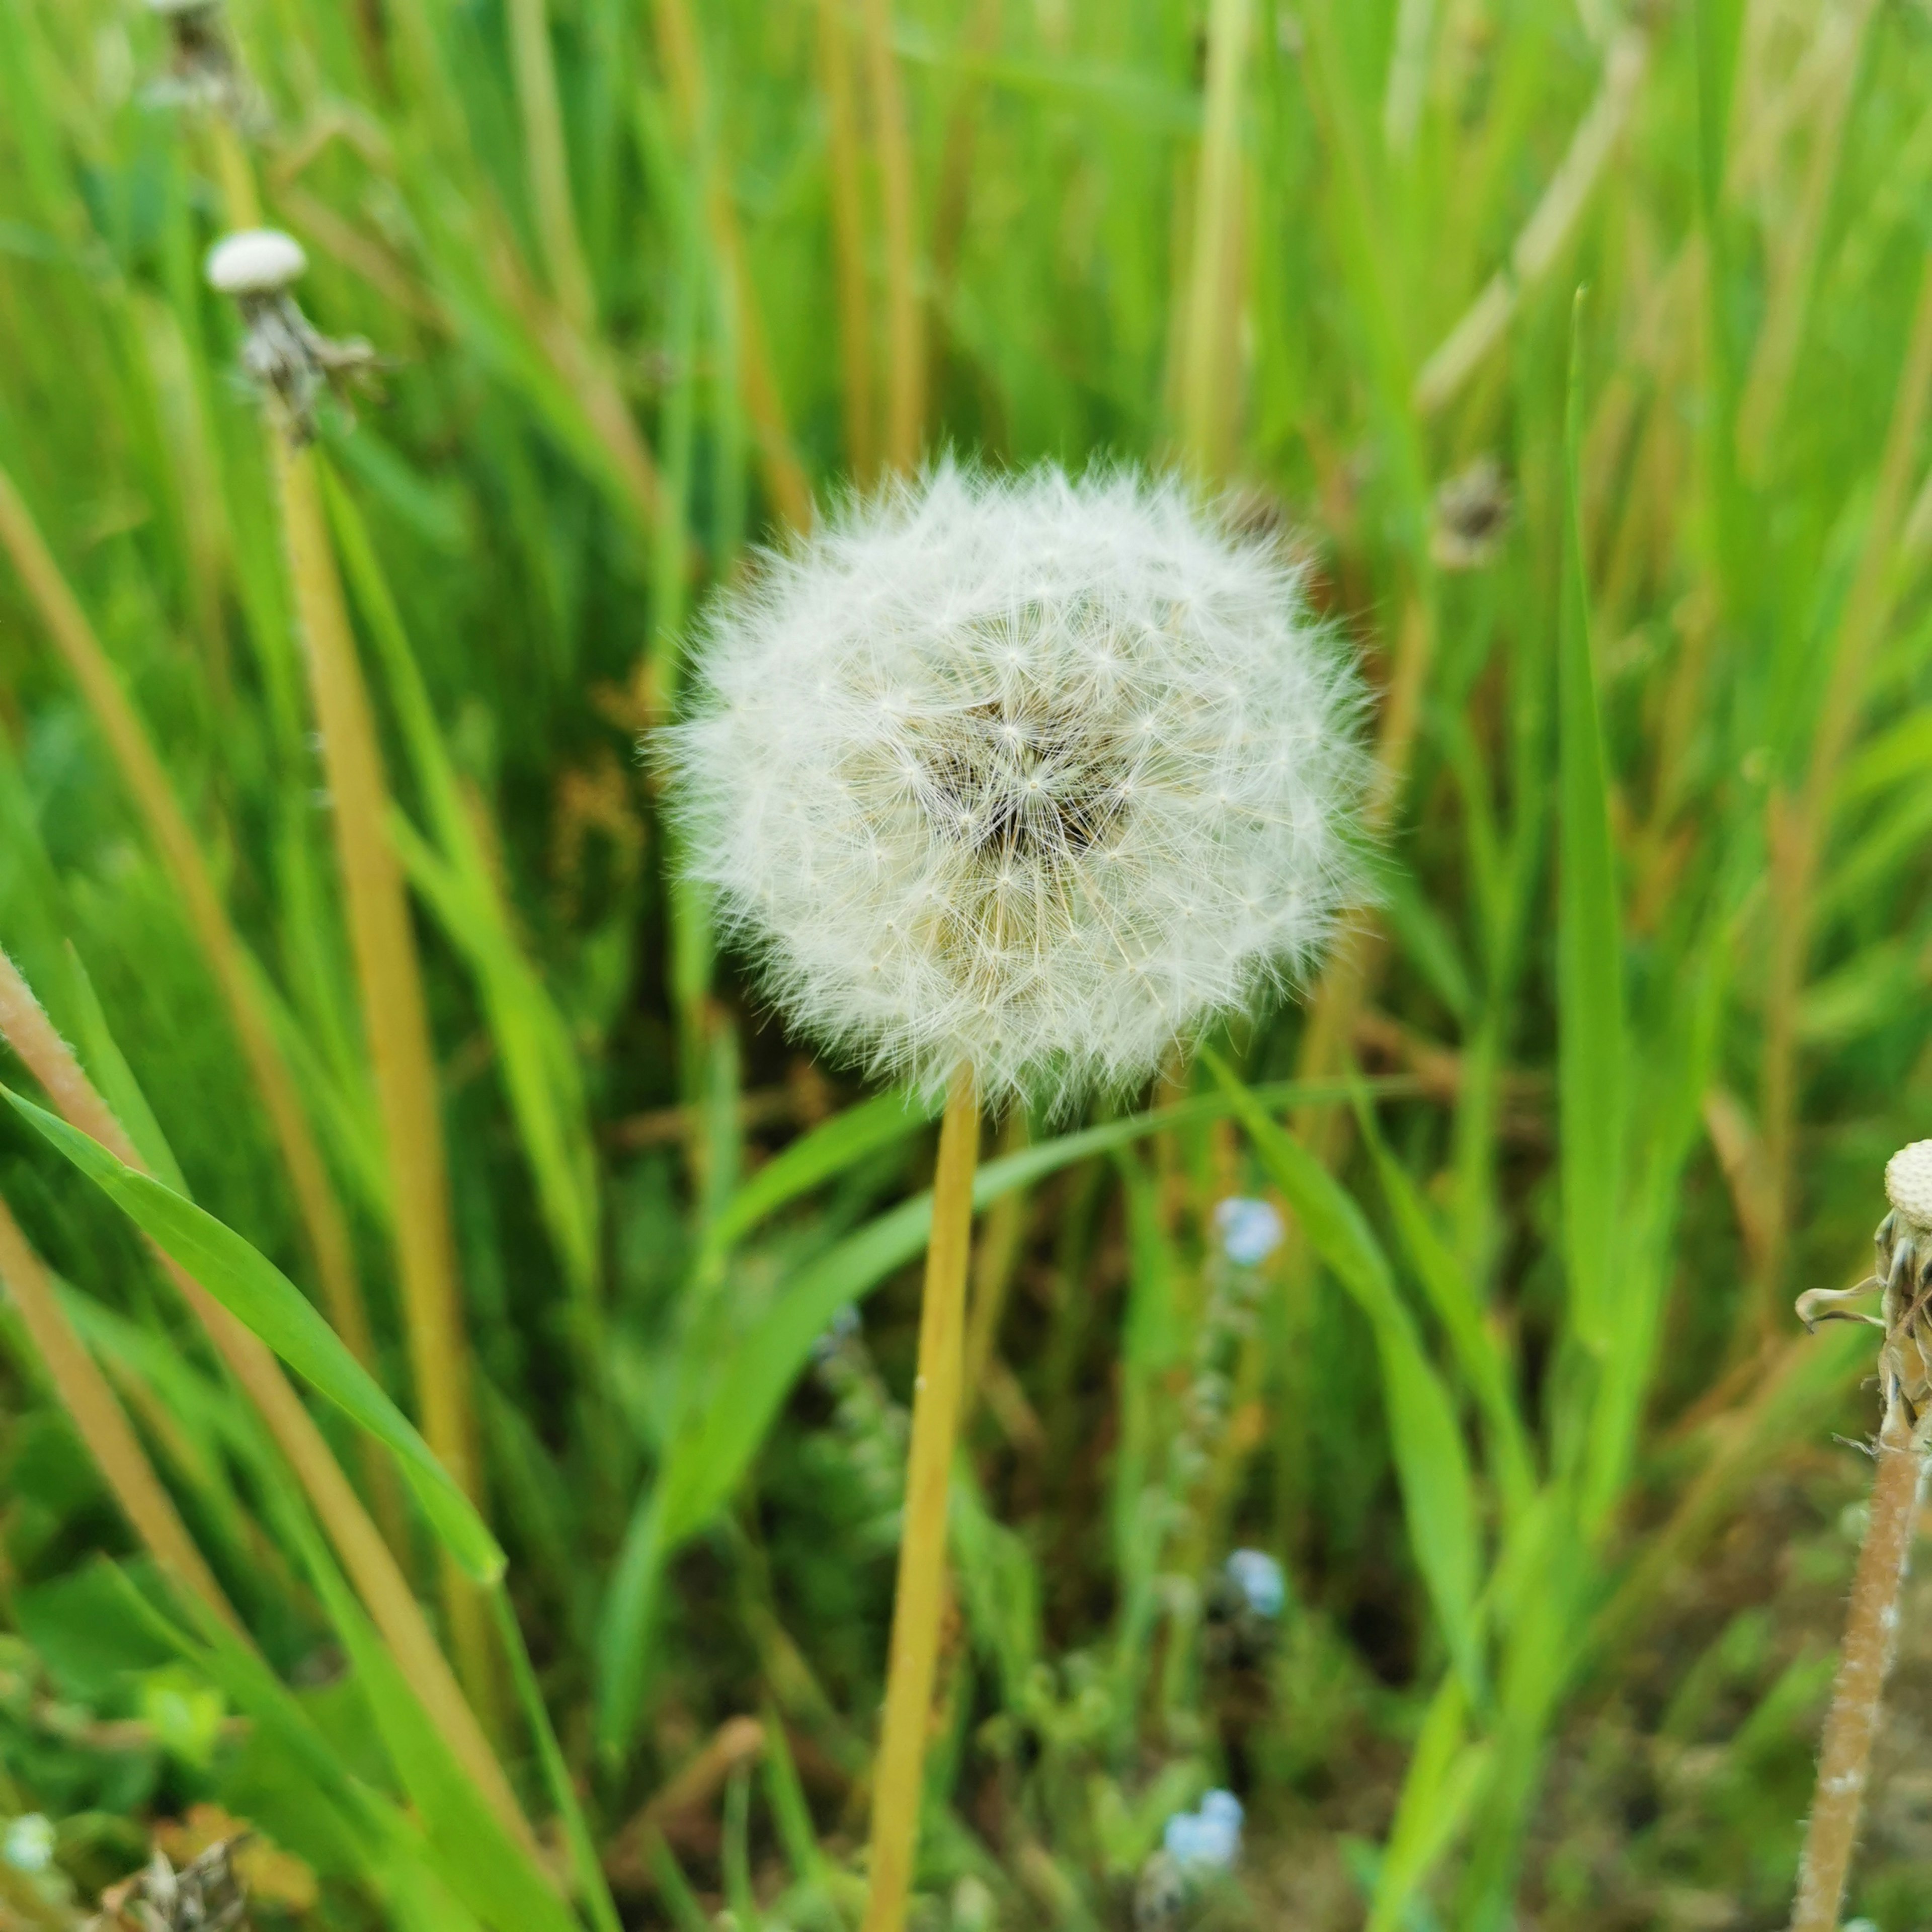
(1871, 1630)
(897, 1783)
(102, 1424)
(396, 1018)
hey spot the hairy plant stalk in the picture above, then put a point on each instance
(141, 771)
(1210, 366)
(1871, 1635)
(381, 1584)
(898, 1782)
(396, 1021)
(905, 344)
(848, 241)
(1799, 827)
(103, 1425)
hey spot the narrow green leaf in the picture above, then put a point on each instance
(115, 1079)
(494, 1876)
(590, 1879)
(1589, 969)
(1453, 1296)
(829, 1149)
(708, 1459)
(257, 1292)
(1432, 1461)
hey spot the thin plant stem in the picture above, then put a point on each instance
(396, 1018)
(995, 1266)
(1537, 249)
(546, 162)
(394, 1610)
(1798, 828)
(952, 194)
(1794, 269)
(898, 1783)
(1211, 344)
(905, 347)
(103, 1425)
(683, 60)
(848, 241)
(1871, 1633)
(141, 771)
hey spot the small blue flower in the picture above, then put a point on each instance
(28, 1843)
(1258, 1578)
(1208, 1840)
(843, 1327)
(1250, 1231)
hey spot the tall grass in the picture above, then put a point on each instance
(1602, 1077)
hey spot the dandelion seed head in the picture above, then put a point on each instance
(1074, 745)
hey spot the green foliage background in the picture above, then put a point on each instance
(1605, 1076)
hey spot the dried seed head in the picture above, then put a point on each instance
(1908, 1184)
(203, 1896)
(1471, 516)
(202, 70)
(1034, 773)
(282, 352)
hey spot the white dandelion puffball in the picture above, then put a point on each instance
(1032, 772)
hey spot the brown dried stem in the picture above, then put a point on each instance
(103, 1425)
(395, 1018)
(1871, 1632)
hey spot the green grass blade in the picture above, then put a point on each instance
(1590, 1003)
(1432, 1463)
(257, 1292)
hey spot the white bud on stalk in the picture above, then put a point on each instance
(256, 262)
(282, 352)
(1908, 1184)
(1037, 773)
